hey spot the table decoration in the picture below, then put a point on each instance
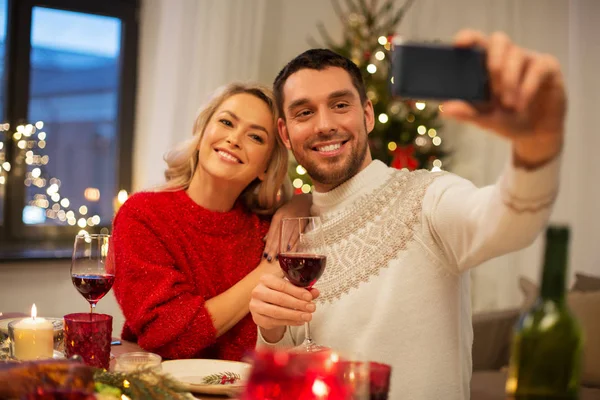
(31, 338)
(89, 336)
(22, 378)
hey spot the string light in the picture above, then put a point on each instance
(372, 68)
(382, 40)
(392, 146)
(25, 139)
(91, 194)
(420, 141)
(383, 118)
(380, 55)
(432, 132)
(436, 141)
(395, 108)
(300, 170)
(422, 129)
(420, 105)
(122, 196)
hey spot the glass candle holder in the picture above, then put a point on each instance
(129, 362)
(379, 379)
(89, 336)
(31, 340)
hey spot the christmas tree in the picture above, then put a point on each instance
(406, 132)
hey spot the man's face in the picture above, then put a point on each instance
(326, 126)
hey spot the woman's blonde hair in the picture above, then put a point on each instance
(261, 197)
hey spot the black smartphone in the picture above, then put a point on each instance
(439, 72)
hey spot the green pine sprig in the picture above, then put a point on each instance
(141, 384)
(221, 378)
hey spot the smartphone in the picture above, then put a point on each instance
(439, 72)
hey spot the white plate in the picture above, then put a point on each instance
(191, 373)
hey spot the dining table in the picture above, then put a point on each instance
(119, 347)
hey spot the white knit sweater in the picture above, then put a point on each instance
(396, 286)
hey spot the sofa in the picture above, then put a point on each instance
(492, 333)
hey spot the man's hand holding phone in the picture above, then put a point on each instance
(527, 100)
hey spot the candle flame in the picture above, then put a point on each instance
(33, 311)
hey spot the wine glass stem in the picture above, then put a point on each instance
(92, 307)
(307, 337)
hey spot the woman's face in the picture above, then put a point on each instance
(238, 140)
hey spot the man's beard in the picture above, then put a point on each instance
(329, 171)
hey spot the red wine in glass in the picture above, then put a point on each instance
(302, 270)
(302, 258)
(93, 287)
(92, 267)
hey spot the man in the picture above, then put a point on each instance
(400, 244)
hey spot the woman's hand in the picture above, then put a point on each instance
(298, 206)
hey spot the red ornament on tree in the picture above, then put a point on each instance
(404, 158)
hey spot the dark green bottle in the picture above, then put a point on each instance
(547, 343)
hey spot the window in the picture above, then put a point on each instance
(67, 100)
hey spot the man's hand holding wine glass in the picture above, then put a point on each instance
(277, 302)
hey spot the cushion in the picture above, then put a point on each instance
(491, 338)
(586, 283)
(585, 306)
(530, 293)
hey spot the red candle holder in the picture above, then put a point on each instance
(379, 380)
(89, 336)
(322, 375)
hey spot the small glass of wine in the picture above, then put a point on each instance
(302, 258)
(92, 267)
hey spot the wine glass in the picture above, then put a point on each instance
(92, 267)
(302, 258)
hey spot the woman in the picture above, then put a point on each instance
(188, 255)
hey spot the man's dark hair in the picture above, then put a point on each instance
(318, 59)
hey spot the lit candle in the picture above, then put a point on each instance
(33, 338)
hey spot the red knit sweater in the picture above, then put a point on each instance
(171, 256)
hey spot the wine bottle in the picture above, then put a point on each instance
(547, 343)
